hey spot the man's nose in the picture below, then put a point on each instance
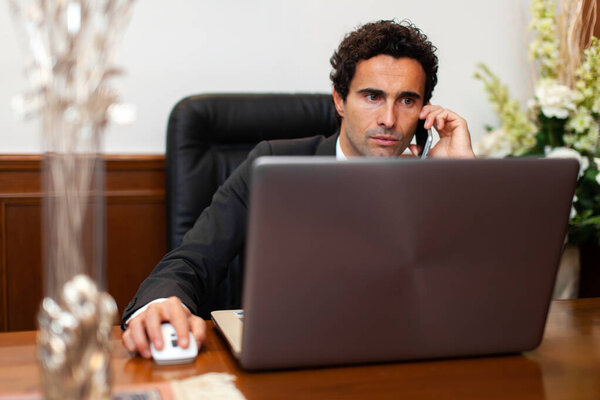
(387, 116)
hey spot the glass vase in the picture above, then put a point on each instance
(76, 314)
(72, 45)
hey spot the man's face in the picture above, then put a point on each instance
(381, 112)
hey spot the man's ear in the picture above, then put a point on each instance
(339, 103)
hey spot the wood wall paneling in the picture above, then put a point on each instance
(24, 276)
(136, 242)
(135, 231)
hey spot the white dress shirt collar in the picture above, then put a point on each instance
(339, 154)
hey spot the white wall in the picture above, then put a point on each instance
(176, 48)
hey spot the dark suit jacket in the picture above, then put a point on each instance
(193, 270)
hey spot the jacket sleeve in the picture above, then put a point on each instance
(194, 269)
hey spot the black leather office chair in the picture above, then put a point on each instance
(208, 136)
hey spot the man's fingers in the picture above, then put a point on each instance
(440, 120)
(128, 341)
(438, 117)
(428, 113)
(138, 334)
(414, 149)
(426, 110)
(152, 320)
(431, 117)
(178, 317)
(454, 134)
(146, 327)
(198, 328)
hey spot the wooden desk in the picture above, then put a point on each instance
(565, 366)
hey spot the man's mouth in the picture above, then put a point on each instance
(385, 140)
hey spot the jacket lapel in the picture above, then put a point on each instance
(327, 146)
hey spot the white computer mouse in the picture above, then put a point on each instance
(171, 352)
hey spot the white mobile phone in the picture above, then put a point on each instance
(427, 145)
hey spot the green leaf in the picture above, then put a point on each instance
(592, 221)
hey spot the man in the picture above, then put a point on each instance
(383, 77)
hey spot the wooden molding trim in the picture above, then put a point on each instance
(135, 230)
(33, 162)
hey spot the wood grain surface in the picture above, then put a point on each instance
(565, 366)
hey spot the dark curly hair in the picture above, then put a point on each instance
(396, 39)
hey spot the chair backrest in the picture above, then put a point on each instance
(208, 136)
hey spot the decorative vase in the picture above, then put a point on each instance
(72, 44)
(76, 316)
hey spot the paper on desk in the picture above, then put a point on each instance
(209, 386)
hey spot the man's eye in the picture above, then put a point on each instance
(371, 97)
(408, 101)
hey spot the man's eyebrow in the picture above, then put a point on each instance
(371, 91)
(411, 94)
(379, 92)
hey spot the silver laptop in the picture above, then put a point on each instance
(374, 260)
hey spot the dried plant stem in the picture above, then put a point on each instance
(575, 29)
(569, 24)
(73, 44)
(72, 188)
(589, 23)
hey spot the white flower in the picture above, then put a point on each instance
(581, 121)
(555, 100)
(596, 106)
(563, 152)
(494, 144)
(545, 25)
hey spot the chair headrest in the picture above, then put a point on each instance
(210, 135)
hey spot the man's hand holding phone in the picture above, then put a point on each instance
(455, 139)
